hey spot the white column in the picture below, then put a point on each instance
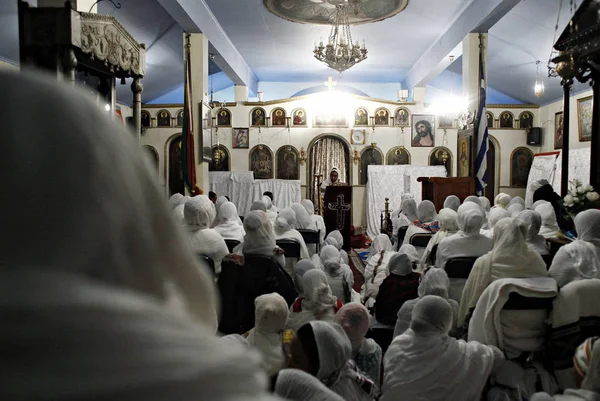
(470, 67)
(199, 60)
(241, 93)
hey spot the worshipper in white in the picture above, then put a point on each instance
(477, 200)
(517, 200)
(510, 258)
(318, 219)
(284, 229)
(229, 227)
(318, 302)
(199, 213)
(549, 227)
(496, 214)
(297, 385)
(366, 353)
(300, 269)
(175, 200)
(339, 276)
(515, 209)
(426, 222)
(452, 202)
(448, 219)
(337, 235)
(406, 213)
(221, 200)
(425, 363)
(178, 211)
(331, 180)
(375, 271)
(304, 222)
(502, 200)
(579, 259)
(258, 205)
(324, 350)
(271, 314)
(485, 203)
(433, 282)
(587, 368)
(533, 222)
(259, 238)
(106, 253)
(271, 214)
(269, 195)
(468, 242)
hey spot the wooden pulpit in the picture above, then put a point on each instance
(337, 211)
(437, 189)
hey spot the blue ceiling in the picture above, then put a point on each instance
(277, 50)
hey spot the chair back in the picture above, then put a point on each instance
(231, 244)
(548, 260)
(401, 234)
(290, 247)
(460, 267)
(312, 237)
(208, 261)
(420, 240)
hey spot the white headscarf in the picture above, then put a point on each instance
(409, 209)
(452, 202)
(337, 235)
(258, 205)
(426, 211)
(230, 228)
(510, 258)
(448, 220)
(303, 220)
(296, 385)
(199, 212)
(485, 204)
(178, 211)
(533, 222)
(517, 200)
(470, 218)
(271, 314)
(354, 319)
(400, 264)
(101, 250)
(175, 200)
(309, 206)
(425, 363)
(549, 226)
(473, 199)
(302, 267)
(515, 209)
(331, 260)
(497, 213)
(318, 304)
(259, 238)
(285, 221)
(502, 200)
(579, 259)
(271, 214)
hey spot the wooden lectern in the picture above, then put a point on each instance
(337, 211)
(437, 189)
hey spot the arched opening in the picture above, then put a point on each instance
(175, 171)
(151, 156)
(324, 153)
(370, 156)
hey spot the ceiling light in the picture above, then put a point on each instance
(538, 88)
(340, 53)
(107, 107)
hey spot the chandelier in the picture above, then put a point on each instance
(340, 53)
(538, 88)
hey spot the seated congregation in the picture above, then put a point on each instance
(460, 304)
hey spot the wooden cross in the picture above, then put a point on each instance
(330, 83)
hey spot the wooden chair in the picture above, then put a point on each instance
(290, 247)
(420, 240)
(231, 243)
(460, 267)
(312, 237)
(400, 236)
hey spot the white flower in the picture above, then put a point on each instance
(592, 196)
(581, 190)
(568, 200)
(588, 188)
(576, 200)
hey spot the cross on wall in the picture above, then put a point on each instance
(330, 83)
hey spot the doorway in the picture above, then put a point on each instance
(325, 153)
(176, 184)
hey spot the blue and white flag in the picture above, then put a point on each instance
(482, 135)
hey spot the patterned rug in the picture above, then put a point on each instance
(358, 267)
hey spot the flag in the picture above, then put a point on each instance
(188, 162)
(482, 134)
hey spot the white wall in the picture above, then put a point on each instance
(385, 137)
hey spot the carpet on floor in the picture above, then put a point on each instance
(357, 265)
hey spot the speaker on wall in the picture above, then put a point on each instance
(534, 136)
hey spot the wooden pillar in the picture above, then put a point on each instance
(595, 146)
(137, 88)
(564, 183)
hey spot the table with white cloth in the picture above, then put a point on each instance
(392, 182)
(243, 189)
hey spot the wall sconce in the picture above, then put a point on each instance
(302, 157)
(288, 120)
(267, 119)
(355, 156)
(260, 96)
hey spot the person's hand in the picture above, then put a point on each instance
(278, 251)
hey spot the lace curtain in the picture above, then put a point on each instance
(326, 154)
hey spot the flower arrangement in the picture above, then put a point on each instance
(579, 198)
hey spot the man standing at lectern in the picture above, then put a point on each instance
(332, 180)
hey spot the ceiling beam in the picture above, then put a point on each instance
(194, 16)
(478, 17)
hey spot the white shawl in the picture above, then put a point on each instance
(549, 227)
(296, 385)
(230, 227)
(318, 304)
(320, 223)
(448, 220)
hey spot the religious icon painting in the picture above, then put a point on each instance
(278, 117)
(402, 117)
(163, 118)
(224, 117)
(145, 119)
(179, 119)
(220, 159)
(257, 117)
(445, 122)
(526, 120)
(361, 117)
(288, 165)
(464, 156)
(584, 118)
(521, 160)
(423, 136)
(299, 118)
(261, 162)
(397, 156)
(330, 119)
(370, 156)
(506, 120)
(382, 117)
(558, 130)
(490, 119)
(441, 156)
(240, 138)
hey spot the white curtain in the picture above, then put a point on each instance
(542, 168)
(392, 182)
(579, 167)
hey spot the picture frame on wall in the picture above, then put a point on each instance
(463, 160)
(424, 131)
(558, 130)
(584, 118)
(240, 138)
